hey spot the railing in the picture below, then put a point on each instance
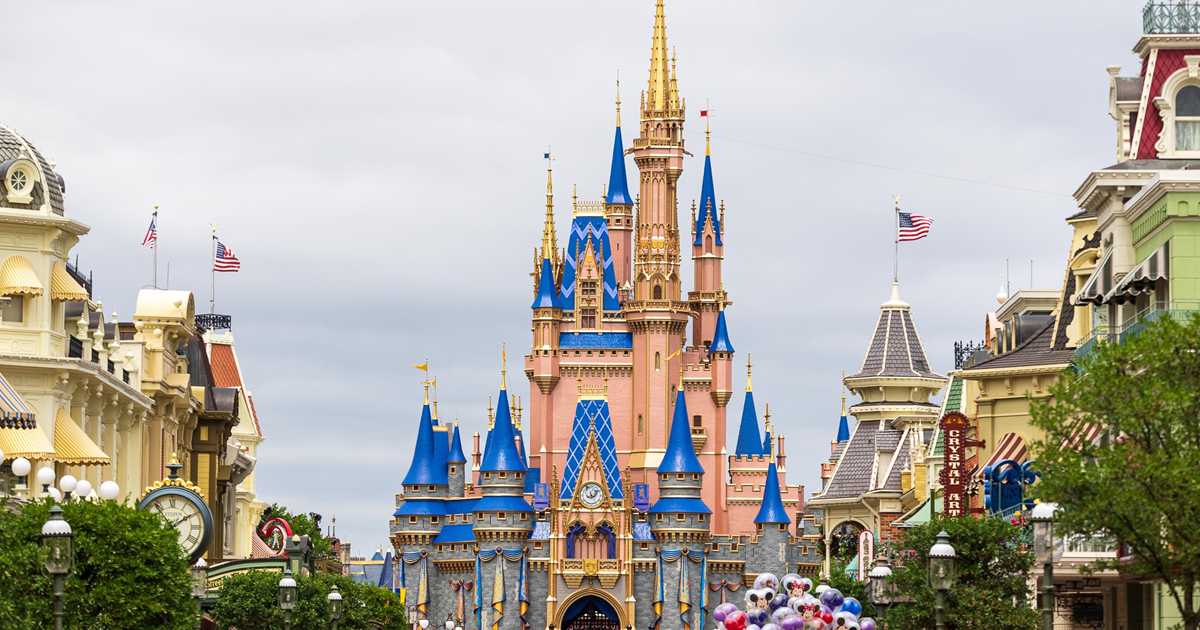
(1171, 17)
(963, 351)
(75, 273)
(74, 348)
(1181, 311)
(213, 321)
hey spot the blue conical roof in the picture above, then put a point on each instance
(843, 434)
(766, 443)
(441, 453)
(772, 510)
(547, 295)
(456, 450)
(424, 468)
(708, 205)
(501, 454)
(720, 341)
(681, 455)
(749, 442)
(618, 188)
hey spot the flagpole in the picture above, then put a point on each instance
(896, 243)
(154, 220)
(212, 292)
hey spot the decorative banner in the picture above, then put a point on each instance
(641, 496)
(954, 429)
(866, 553)
(541, 496)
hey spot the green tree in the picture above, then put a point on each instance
(1138, 482)
(304, 525)
(129, 570)
(849, 586)
(250, 600)
(991, 590)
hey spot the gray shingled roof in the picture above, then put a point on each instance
(12, 146)
(900, 461)
(1036, 351)
(895, 348)
(853, 474)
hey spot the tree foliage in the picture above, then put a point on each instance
(1138, 482)
(250, 600)
(129, 570)
(850, 586)
(991, 590)
(304, 525)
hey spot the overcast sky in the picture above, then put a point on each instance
(377, 167)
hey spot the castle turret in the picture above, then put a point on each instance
(708, 252)
(749, 442)
(419, 510)
(502, 514)
(618, 206)
(772, 532)
(456, 465)
(547, 303)
(680, 514)
(720, 355)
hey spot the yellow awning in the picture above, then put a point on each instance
(18, 278)
(72, 445)
(13, 408)
(63, 286)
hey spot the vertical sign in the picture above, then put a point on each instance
(954, 429)
(866, 554)
(641, 496)
(541, 496)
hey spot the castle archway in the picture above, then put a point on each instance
(590, 610)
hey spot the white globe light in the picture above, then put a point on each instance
(109, 490)
(45, 476)
(21, 466)
(449, 624)
(1, 455)
(67, 483)
(83, 489)
(55, 493)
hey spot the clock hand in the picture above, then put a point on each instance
(186, 517)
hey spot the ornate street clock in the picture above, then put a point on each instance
(183, 507)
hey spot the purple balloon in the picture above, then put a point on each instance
(866, 623)
(771, 626)
(753, 627)
(781, 613)
(792, 623)
(780, 601)
(832, 598)
(718, 614)
(757, 616)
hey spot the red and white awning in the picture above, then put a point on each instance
(1084, 433)
(1011, 446)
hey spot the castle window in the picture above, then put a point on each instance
(680, 476)
(680, 517)
(695, 475)
(412, 520)
(453, 470)
(658, 517)
(504, 475)
(587, 318)
(432, 488)
(1187, 119)
(502, 516)
(657, 292)
(657, 361)
(697, 421)
(645, 546)
(434, 520)
(733, 547)
(524, 517)
(640, 427)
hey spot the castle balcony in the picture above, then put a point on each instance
(699, 437)
(574, 570)
(1171, 17)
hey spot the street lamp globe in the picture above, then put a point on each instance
(109, 490)
(45, 478)
(55, 494)
(287, 591)
(83, 489)
(67, 484)
(880, 585)
(56, 541)
(199, 578)
(941, 563)
(449, 624)
(21, 466)
(1042, 516)
(424, 623)
(335, 603)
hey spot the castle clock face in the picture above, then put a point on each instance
(591, 494)
(188, 515)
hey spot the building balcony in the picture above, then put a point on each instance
(1171, 17)
(1180, 311)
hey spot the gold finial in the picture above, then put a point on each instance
(491, 415)
(707, 128)
(656, 91)
(574, 196)
(503, 366)
(749, 367)
(549, 237)
(425, 384)
(435, 397)
(770, 432)
(618, 98)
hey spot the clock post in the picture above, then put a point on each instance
(182, 505)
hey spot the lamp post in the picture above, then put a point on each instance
(1042, 517)
(287, 595)
(21, 468)
(60, 555)
(45, 478)
(941, 575)
(335, 606)
(200, 586)
(881, 586)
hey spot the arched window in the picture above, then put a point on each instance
(656, 293)
(1187, 118)
(657, 361)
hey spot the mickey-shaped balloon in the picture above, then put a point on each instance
(852, 606)
(735, 620)
(832, 598)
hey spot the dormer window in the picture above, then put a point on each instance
(1187, 118)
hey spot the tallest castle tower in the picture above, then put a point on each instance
(657, 317)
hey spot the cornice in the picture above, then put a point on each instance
(1088, 193)
(1053, 368)
(1170, 41)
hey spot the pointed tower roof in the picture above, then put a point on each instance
(441, 451)
(681, 455)
(772, 510)
(500, 453)
(749, 441)
(456, 449)
(618, 184)
(843, 434)
(895, 348)
(547, 295)
(658, 89)
(766, 445)
(423, 469)
(708, 195)
(721, 342)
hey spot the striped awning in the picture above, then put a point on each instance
(72, 445)
(13, 407)
(1099, 284)
(63, 287)
(1141, 279)
(1084, 433)
(25, 440)
(17, 277)
(1011, 446)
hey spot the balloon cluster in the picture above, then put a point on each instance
(792, 604)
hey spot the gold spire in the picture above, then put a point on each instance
(435, 397)
(425, 383)
(673, 94)
(770, 433)
(491, 415)
(659, 85)
(503, 367)
(618, 99)
(549, 238)
(707, 130)
(749, 366)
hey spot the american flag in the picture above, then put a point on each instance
(151, 238)
(912, 227)
(224, 259)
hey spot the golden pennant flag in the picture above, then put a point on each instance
(424, 367)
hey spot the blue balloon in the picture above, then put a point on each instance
(852, 606)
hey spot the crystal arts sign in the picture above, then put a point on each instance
(954, 430)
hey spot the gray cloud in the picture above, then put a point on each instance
(376, 165)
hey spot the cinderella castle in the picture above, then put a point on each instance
(624, 507)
